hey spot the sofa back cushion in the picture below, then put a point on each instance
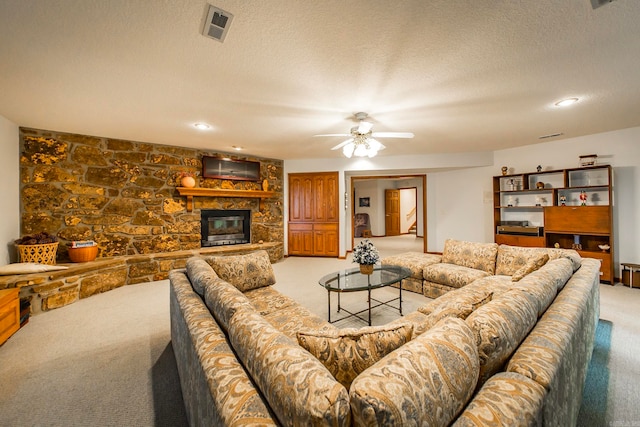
(512, 258)
(222, 300)
(499, 327)
(534, 263)
(299, 389)
(481, 256)
(429, 379)
(245, 272)
(347, 352)
(198, 271)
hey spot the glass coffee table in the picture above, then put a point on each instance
(351, 280)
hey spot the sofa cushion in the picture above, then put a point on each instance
(223, 299)
(512, 258)
(198, 271)
(480, 256)
(299, 389)
(429, 379)
(543, 284)
(414, 261)
(570, 254)
(294, 318)
(505, 399)
(348, 352)
(267, 300)
(533, 264)
(453, 275)
(460, 309)
(500, 327)
(415, 318)
(245, 272)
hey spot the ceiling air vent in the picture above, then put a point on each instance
(217, 23)
(597, 3)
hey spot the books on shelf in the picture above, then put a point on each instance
(82, 243)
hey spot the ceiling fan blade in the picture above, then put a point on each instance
(392, 134)
(334, 134)
(342, 144)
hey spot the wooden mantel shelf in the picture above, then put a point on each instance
(190, 193)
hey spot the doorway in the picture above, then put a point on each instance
(389, 212)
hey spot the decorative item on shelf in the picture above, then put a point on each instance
(563, 200)
(588, 160)
(366, 254)
(539, 168)
(82, 250)
(604, 248)
(40, 248)
(510, 201)
(576, 243)
(265, 185)
(505, 170)
(556, 245)
(539, 185)
(583, 198)
(187, 179)
(538, 201)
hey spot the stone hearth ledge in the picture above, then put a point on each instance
(55, 289)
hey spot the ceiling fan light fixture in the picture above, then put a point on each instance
(348, 150)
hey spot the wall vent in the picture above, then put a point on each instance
(217, 23)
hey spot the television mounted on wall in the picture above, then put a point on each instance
(225, 168)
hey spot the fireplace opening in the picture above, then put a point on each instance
(225, 227)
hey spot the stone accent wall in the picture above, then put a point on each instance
(122, 194)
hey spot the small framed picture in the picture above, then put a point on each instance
(364, 202)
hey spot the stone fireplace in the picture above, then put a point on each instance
(225, 227)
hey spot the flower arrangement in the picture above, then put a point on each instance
(365, 253)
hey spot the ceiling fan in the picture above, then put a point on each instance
(362, 140)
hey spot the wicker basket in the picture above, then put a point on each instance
(84, 254)
(42, 254)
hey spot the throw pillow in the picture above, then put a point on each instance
(532, 265)
(348, 352)
(245, 272)
(28, 267)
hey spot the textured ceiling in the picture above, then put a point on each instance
(461, 75)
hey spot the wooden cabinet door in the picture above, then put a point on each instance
(325, 239)
(313, 214)
(578, 219)
(301, 239)
(301, 198)
(392, 212)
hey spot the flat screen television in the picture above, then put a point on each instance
(224, 168)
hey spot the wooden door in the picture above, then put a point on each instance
(313, 214)
(392, 212)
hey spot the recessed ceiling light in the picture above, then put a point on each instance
(235, 147)
(566, 102)
(202, 126)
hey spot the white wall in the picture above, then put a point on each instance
(9, 189)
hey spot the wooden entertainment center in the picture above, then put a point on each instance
(566, 208)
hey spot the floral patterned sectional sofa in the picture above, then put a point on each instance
(501, 350)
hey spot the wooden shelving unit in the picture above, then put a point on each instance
(190, 193)
(552, 200)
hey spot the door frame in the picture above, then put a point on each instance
(352, 180)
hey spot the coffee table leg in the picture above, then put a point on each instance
(400, 298)
(329, 306)
(369, 298)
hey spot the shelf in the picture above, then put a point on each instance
(190, 193)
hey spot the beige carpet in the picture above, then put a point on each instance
(108, 361)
